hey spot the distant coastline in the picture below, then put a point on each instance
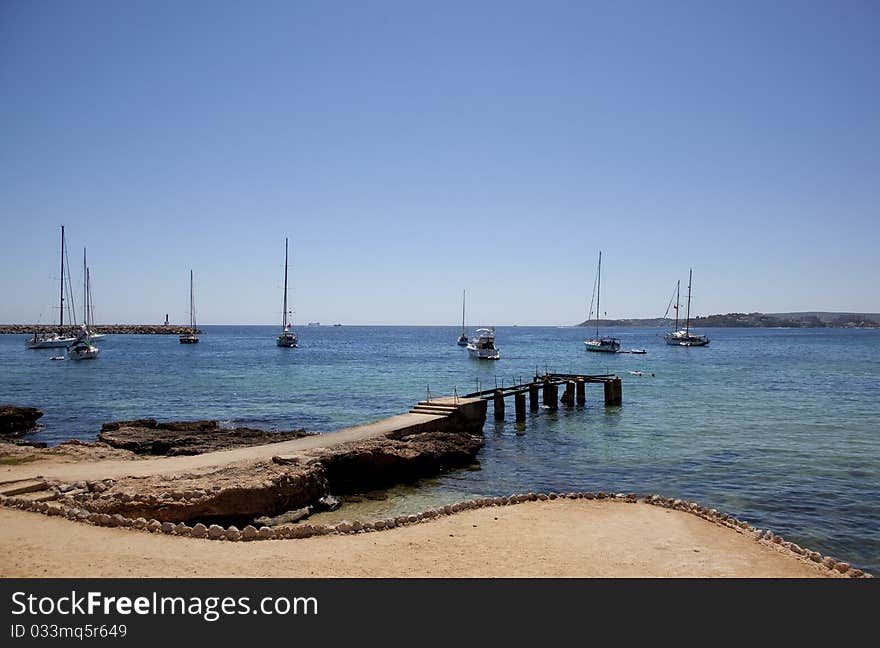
(813, 319)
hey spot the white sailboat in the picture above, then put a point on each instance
(601, 343)
(190, 337)
(54, 340)
(89, 305)
(463, 338)
(684, 337)
(287, 338)
(82, 348)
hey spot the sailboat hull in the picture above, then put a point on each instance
(603, 345)
(188, 339)
(286, 340)
(689, 341)
(49, 343)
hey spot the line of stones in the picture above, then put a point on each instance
(251, 533)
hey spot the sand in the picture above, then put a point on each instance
(558, 538)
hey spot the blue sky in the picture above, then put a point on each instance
(412, 149)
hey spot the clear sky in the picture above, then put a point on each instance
(413, 149)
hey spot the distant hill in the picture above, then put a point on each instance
(754, 320)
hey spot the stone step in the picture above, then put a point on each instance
(21, 487)
(39, 496)
(434, 403)
(438, 408)
(432, 412)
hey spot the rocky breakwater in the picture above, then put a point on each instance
(115, 329)
(16, 420)
(150, 437)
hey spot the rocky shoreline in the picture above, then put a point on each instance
(16, 420)
(111, 329)
(175, 438)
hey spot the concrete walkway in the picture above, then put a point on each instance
(115, 468)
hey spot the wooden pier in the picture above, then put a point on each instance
(546, 386)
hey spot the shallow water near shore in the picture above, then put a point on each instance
(776, 426)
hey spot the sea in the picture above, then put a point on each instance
(779, 427)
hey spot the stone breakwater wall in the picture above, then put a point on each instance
(252, 533)
(114, 329)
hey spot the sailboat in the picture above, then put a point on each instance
(82, 348)
(684, 337)
(54, 340)
(463, 338)
(601, 343)
(287, 338)
(190, 337)
(88, 304)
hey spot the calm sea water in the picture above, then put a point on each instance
(777, 426)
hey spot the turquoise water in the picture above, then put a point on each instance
(776, 426)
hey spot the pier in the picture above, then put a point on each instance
(546, 386)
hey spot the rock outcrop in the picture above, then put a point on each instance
(379, 463)
(150, 437)
(16, 420)
(235, 492)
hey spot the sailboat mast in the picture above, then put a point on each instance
(85, 291)
(192, 313)
(91, 315)
(687, 323)
(598, 292)
(284, 319)
(61, 320)
(677, 302)
(463, 297)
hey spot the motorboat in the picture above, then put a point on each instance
(482, 345)
(82, 349)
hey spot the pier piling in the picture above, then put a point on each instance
(568, 396)
(499, 405)
(533, 397)
(581, 387)
(519, 401)
(551, 395)
(613, 392)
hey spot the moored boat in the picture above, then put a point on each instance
(57, 340)
(601, 343)
(463, 338)
(482, 345)
(287, 338)
(684, 337)
(190, 337)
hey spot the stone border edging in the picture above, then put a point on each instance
(251, 533)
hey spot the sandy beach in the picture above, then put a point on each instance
(558, 538)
